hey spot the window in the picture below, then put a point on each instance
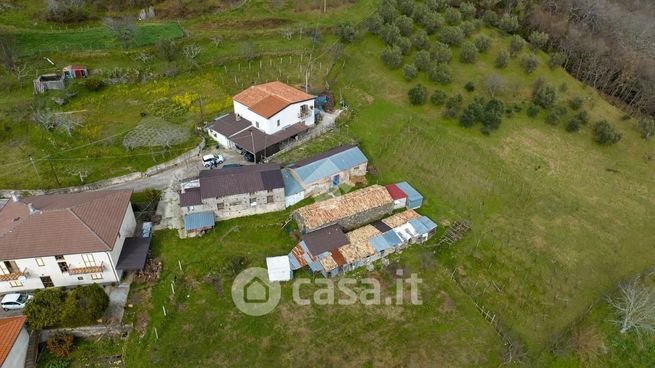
(220, 206)
(278, 122)
(269, 199)
(96, 276)
(257, 124)
(63, 266)
(39, 262)
(253, 201)
(15, 283)
(3, 268)
(88, 260)
(80, 278)
(59, 258)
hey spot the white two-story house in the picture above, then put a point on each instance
(265, 116)
(65, 240)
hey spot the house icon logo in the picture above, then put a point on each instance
(253, 294)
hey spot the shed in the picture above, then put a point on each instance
(414, 198)
(196, 223)
(279, 268)
(75, 71)
(386, 242)
(399, 197)
(293, 191)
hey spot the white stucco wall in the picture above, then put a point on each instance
(221, 139)
(288, 116)
(65, 279)
(16, 357)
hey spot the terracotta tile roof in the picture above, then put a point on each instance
(269, 98)
(9, 330)
(62, 224)
(400, 218)
(327, 212)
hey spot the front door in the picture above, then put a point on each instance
(335, 181)
(47, 281)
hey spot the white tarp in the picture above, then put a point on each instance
(279, 268)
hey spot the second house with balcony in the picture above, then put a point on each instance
(66, 240)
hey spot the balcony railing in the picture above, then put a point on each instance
(13, 276)
(85, 269)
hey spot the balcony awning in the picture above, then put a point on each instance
(134, 254)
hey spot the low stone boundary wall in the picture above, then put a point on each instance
(6, 193)
(89, 331)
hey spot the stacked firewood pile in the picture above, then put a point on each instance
(152, 270)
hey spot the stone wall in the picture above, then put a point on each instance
(89, 331)
(239, 205)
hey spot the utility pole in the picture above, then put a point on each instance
(35, 169)
(53, 171)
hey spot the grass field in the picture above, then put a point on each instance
(40, 42)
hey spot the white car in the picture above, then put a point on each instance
(212, 160)
(15, 301)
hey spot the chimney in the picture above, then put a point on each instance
(31, 209)
(15, 197)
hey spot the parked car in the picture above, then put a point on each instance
(211, 161)
(15, 301)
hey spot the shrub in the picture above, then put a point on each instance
(438, 97)
(533, 110)
(420, 10)
(492, 116)
(508, 23)
(538, 40)
(405, 25)
(436, 5)
(233, 265)
(468, 10)
(472, 113)
(468, 53)
(167, 49)
(387, 12)
(490, 18)
(573, 125)
(440, 52)
(544, 96)
(575, 103)
(374, 23)
(67, 11)
(646, 127)
(44, 310)
(84, 305)
(346, 32)
(452, 16)
(389, 33)
(392, 57)
(468, 28)
(530, 63)
(417, 94)
(422, 60)
(453, 104)
(605, 134)
(501, 59)
(555, 60)
(420, 39)
(409, 72)
(60, 345)
(451, 35)
(516, 45)
(482, 43)
(93, 84)
(583, 117)
(404, 44)
(563, 87)
(555, 116)
(439, 73)
(469, 86)
(59, 363)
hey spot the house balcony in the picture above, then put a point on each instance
(13, 276)
(85, 269)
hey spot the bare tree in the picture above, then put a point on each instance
(143, 57)
(44, 117)
(80, 172)
(287, 34)
(20, 71)
(67, 122)
(635, 307)
(494, 84)
(122, 28)
(217, 41)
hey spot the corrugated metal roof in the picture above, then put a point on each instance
(418, 226)
(240, 180)
(190, 197)
(412, 194)
(198, 220)
(385, 241)
(329, 164)
(395, 192)
(325, 239)
(291, 185)
(429, 224)
(134, 253)
(279, 268)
